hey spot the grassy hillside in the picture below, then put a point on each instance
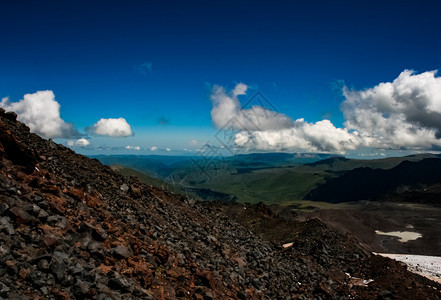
(290, 184)
(269, 178)
(275, 185)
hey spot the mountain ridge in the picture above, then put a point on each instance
(367, 183)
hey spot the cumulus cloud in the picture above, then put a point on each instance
(111, 127)
(322, 136)
(78, 143)
(403, 114)
(153, 148)
(264, 129)
(227, 110)
(41, 112)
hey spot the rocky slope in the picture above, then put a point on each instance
(72, 228)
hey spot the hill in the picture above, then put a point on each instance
(72, 228)
(366, 183)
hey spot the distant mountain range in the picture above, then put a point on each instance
(275, 177)
(163, 165)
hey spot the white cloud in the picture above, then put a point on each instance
(78, 143)
(111, 127)
(167, 149)
(264, 129)
(403, 114)
(154, 148)
(41, 113)
(322, 136)
(227, 110)
(133, 147)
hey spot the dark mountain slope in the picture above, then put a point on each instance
(367, 183)
(341, 164)
(329, 162)
(72, 228)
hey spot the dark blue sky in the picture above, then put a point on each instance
(297, 53)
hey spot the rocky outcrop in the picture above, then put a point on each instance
(72, 228)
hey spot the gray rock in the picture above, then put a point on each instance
(6, 226)
(120, 283)
(124, 188)
(59, 269)
(121, 251)
(211, 239)
(81, 288)
(3, 208)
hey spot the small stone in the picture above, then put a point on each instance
(120, 283)
(124, 188)
(3, 208)
(59, 269)
(37, 198)
(99, 233)
(44, 290)
(42, 214)
(121, 251)
(50, 241)
(20, 215)
(52, 220)
(62, 223)
(211, 239)
(43, 265)
(6, 226)
(37, 278)
(23, 273)
(136, 191)
(208, 295)
(4, 289)
(81, 288)
(96, 249)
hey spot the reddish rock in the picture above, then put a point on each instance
(21, 216)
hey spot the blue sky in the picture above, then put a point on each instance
(154, 63)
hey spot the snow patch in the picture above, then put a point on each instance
(403, 236)
(427, 266)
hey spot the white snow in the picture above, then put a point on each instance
(403, 236)
(428, 266)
